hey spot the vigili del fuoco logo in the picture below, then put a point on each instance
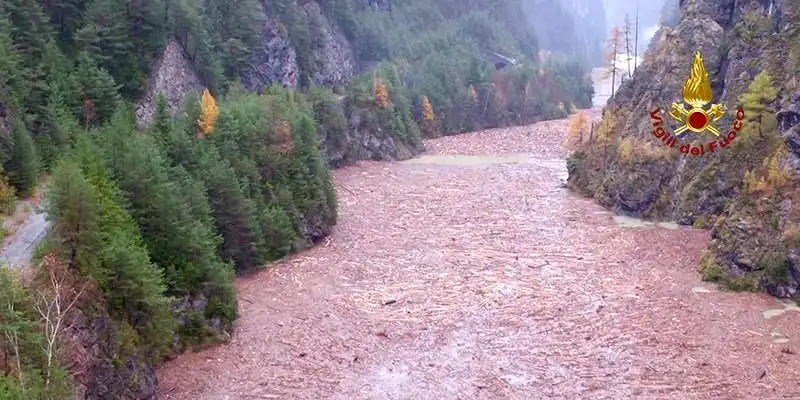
(696, 118)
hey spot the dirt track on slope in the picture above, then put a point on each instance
(483, 278)
(27, 227)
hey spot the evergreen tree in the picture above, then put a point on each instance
(234, 214)
(73, 208)
(759, 118)
(162, 120)
(170, 215)
(134, 288)
(13, 87)
(97, 89)
(105, 37)
(101, 240)
(23, 164)
(32, 35)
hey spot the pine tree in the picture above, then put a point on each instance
(106, 37)
(234, 214)
(308, 175)
(73, 207)
(169, 213)
(97, 87)
(759, 118)
(162, 120)
(32, 35)
(89, 221)
(23, 165)
(13, 86)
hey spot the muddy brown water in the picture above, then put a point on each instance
(481, 277)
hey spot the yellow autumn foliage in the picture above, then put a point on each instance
(631, 147)
(381, 94)
(427, 109)
(775, 174)
(208, 112)
(626, 149)
(282, 137)
(578, 131)
(471, 93)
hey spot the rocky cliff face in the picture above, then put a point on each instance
(336, 61)
(635, 174)
(275, 62)
(173, 76)
(99, 364)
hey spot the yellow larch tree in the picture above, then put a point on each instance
(208, 113)
(578, 127)
(427, 109)
(381, 94)
(472, 94)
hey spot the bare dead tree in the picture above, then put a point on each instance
(614, 44)
(12, 337)
(52, 304)
(628, 31)
(636, 40)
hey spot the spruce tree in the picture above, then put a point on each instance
(760, 120)
(13, 86)
(23, 164)
(172, 213)
(32, 36)
(73, 207)
(98, 91)
(234, 214)
(90, 223)
(105, 36)
(162, 120)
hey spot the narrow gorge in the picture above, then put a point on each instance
(348, 199)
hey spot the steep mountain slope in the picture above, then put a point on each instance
(745, 192)
(156, 206)
(575, 28)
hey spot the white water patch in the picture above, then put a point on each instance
(630, 222)
(788, 305)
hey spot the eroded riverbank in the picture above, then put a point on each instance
(484, 278)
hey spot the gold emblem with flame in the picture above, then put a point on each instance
(697, 93)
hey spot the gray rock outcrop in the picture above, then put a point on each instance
(173, 76)
(738, 39)
(274, 62)
(334, 55)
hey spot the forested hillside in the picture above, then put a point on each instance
(747, 192)
(156, 207)
(576, 28)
